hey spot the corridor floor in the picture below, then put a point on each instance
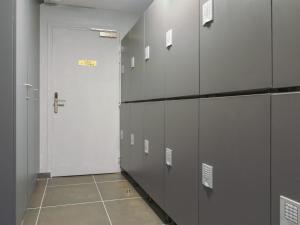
(88, 200)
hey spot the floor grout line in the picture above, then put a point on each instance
(110, 181)
(102, 201)
(66, 185)
(38, 216)
(122, 199)
(71, 204)
(98, 182)
(32, 208)
(85, 203)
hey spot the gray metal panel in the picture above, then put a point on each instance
(136, 150)
(125, 64)
(7, 112)
(285, 150)
(286, 31)
(235, 50)
(153, 162)
(182, 59)
(235, 140)
(125, 142)
(154, 78)
(32, 31)
(136, 45)
(181, 180)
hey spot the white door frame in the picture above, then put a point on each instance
(50, 29)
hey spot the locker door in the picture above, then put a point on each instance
(235, 49)
(124, 69)
(124, 136)
(155, 39)
(286, 31)
(136, 43)
(234, 139)
(136, 141)
(285, 150)
(182, 59)
(181, 178)
(154, 155)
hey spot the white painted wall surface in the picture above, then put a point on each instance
(73, 16)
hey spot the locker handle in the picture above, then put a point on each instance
(28, 85)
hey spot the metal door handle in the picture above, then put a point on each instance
(58, 102)
(55, 105)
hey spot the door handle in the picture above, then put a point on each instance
(57, 102)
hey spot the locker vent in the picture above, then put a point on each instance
(289, 211)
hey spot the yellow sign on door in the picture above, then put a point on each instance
(87, 62)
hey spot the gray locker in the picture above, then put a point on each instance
(136, 141)
(235, 48)
(286, 35)
(125, 63)
(136, 52)
(124, 136)
(182, 58)
(181, 174)
(234, 138)
(19, 25)
(153, 151)
(154, 78)
(285, 150)
(7, 119)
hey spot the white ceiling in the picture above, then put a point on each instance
(133, 6)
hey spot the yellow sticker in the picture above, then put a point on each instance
(86, 62)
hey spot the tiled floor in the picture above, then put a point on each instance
(88, 200)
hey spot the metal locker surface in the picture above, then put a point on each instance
(154, 78)
(235, 48)
(181, 179)
(285, 150)
(124, 136)
(7, 120)
(234, 138)
(286, 35)
(154, 159)
(136, 73)
(182, 58)
(125, 63)
(136, 147)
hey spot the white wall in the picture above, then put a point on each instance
(64, 15)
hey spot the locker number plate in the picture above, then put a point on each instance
(132, 62)
(147, 53)
(207, 12)
(169, 153)
(169, 38)
(122, 134)
(207, 175)
(146, 146)
(132, 139)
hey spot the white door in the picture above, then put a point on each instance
(83, 134)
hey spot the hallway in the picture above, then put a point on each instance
(88, 200)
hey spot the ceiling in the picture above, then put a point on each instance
(132, 6)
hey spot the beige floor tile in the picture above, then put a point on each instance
(37, 195)
(30, 217)
(71, 194)
(132, 212)
(117, 190)
(87, 214)
(70, 180)
(109, 177)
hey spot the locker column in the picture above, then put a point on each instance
(234, 139)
